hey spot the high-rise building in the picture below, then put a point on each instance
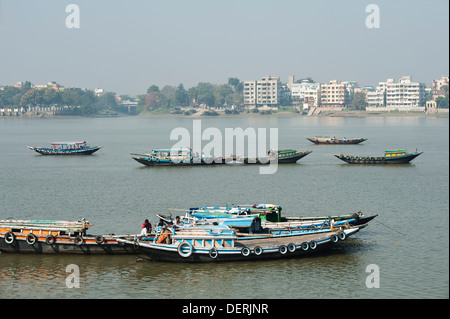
(334, 94)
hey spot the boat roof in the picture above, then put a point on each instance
(67, 143)
(392, 151)
(171, 150)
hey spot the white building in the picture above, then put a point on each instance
(265, 92)
(304, 93)
(403, 95)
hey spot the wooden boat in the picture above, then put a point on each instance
(220, 243)
(390, 157)
(66, 148)
(185, 157)
(52, 237)
(272, 213)
(179, 157)
(281, 156)
(334, 140)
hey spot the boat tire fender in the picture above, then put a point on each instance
(185, 249)
(50, 239)
(334, 238)
(313, 244)
(342, 235)
(257, 250)
(291, 247)
(283, 249)
(10, 238)
(305, 246)
(31, 239)
(245, 251)
(79, 241)
(99, 239)
(213, 253)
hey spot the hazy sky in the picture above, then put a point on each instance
(126, 46)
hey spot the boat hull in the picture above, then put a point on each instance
(48, 151)
(406, 159)
(89, 247)
(266, 160)
(269, 248)
(335, 141)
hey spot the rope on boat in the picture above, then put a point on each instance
(382, 237)
(389, 227)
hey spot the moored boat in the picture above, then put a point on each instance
(186, 157)
(390, 157)
(219, 243)
(334, 140)
(66, 148)
(53, 237)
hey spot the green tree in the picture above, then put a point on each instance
(359, 101)
(181, 96)
(153, 88)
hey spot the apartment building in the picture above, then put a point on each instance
(334, 94)
(304, 93)
(264, 92)
(397, 95)
(436, 87)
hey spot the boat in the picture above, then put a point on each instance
(281, 157)
(186, 157)
(390, 157)
(334, 140)
(178, 157)
(53, 237)
(66, 148)
(219, 243)
(272, 213)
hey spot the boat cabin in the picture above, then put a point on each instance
(394, 153)
(68, 145)
(180, 154)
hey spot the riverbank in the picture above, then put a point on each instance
(442, 114)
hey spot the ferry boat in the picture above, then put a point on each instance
(66, 148)
(53, 236)
(390, 157)
(186, 157)
(334, 140)
(217, 243)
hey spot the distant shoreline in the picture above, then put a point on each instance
(281, 114)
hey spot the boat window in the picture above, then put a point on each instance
(16, 230)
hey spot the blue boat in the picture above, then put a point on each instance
(219, 243)
(66, 148)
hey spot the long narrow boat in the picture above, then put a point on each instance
(186, 157)
(66, 148)
(220, 243)
(282, 157)
(272, 213)
(53, 237)
(334, 140)
(390, 157)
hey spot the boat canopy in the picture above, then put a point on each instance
(390, 153)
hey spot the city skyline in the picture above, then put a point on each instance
(126, 47)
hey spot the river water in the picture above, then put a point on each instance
(407, 242)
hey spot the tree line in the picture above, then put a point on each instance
(85, 100)
(169, 97)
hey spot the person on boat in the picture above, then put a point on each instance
(146, 227)
(178, 222)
